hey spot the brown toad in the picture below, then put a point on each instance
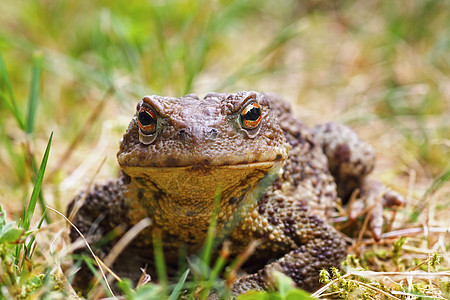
(272, 175)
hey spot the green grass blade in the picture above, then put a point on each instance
(211, 281)
(33, 237)
(37, 187)
(161, 39)
(160, 263)
(38, 59)
(176, 291)
(208, 246)
(435, 186)
(41, 195)
(214, 27)
(90, 263)
(218, 267)
(11, 103)
(16, 157)
(253, 65)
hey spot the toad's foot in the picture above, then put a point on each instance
(375, 197)
(302, 265)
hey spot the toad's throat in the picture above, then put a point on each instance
(181, 200)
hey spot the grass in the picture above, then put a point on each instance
(77, 69)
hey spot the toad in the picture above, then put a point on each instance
(266, 174)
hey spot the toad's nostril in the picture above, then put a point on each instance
(183, 133)
(211, 133)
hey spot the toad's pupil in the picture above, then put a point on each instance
(253, 114)
(146, 119)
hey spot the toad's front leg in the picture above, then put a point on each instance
(324, 249)
(99, 214)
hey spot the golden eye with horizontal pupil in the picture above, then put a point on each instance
(251, 116)
(147, 120)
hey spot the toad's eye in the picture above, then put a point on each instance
(251, 116)
(147, 120)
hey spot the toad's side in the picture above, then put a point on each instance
(273, 180)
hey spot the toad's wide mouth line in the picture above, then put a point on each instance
(206, 166)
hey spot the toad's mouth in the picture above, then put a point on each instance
(199, 158)
(130, 170)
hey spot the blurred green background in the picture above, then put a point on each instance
(77, 68)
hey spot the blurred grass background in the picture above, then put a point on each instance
(77, 68)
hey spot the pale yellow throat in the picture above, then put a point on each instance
(181, 200)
